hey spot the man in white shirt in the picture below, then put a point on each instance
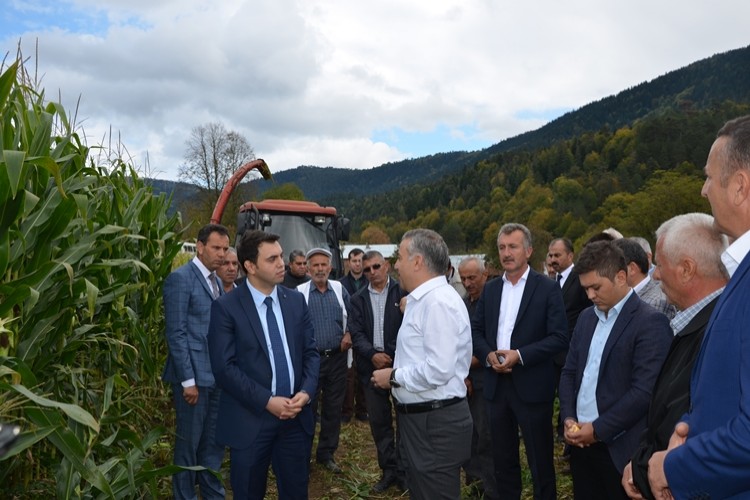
(433, 354)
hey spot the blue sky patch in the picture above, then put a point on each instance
(21, 17)
(441, 139)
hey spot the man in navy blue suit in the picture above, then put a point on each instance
(517, 328)
(264, 358)
(188, 294)
(615, 355)
(708, 455)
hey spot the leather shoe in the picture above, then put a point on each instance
(385, 482)
(331, 465)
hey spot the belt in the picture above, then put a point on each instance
(327, 353)
(427, 405)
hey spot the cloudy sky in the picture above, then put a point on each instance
(347, 83)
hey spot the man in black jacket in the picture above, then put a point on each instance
(692, 277)
(374, 320)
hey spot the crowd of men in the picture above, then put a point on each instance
(647, 352)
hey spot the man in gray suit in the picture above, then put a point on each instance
(647, 288)
(188, 294)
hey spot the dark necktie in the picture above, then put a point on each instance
(214, 285)
(283, 386)
(559, 279)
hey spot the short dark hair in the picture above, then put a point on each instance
(296, 253)
(566, 243)
(250, 242)
(604, 257)
(205, 232)
(355, 251)
(599, 237)
(634, 252)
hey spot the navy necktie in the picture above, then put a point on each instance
(283, 385)
(559, 279)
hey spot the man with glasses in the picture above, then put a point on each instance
(374, 322)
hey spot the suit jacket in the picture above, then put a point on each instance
(187, 308)
(715, 459)
(539, 333)
(242, 366)
(574, 298)
(652, 295)
(671, 395)
(631, 360)
(362, 324)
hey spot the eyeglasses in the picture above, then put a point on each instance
(371, 268)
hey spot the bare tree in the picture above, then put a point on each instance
(213, 154)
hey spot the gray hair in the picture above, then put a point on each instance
(473, 258)
(372, 254)
(511, 227)
(693, 235)
(643, 242)
(431, 246)
(294, 254)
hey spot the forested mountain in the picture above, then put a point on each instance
(700, 85)
(629, 161)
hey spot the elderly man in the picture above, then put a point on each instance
(374, 322)
(709, 455)
(229, 270)
(692, 276)
(480, 466)
(433, 353)
(328, 301)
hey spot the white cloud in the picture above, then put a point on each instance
(317, 82)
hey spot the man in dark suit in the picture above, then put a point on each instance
(374, 322)
(518, 327)
(709, 455)
(188, 294)
(615, 354)
(265, 360)
(692, 277)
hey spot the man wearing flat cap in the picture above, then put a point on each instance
(328, 301)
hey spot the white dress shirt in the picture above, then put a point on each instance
(510, 303)
(433, 348)
(734, 254)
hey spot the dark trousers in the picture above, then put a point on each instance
(508, 412)
(330, 396)
(195, 444)
(594, 474)
(435, 444)
(354, 398)
(384, 432)
(284, 445)
(481, 464)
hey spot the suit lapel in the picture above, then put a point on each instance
(738, 276)
(201, 279)
(622, 321)
(528, 291)
(248, 305)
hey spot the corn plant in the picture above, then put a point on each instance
(84, 249)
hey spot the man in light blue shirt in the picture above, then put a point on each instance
(616, 352)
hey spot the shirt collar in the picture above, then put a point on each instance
(565, 273)
(640, 286)
(259, 297)
(428, 286)
(203, 269)
(615, 311)
(523, 278)
(735, 252)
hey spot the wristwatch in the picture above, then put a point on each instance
(392, 380)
